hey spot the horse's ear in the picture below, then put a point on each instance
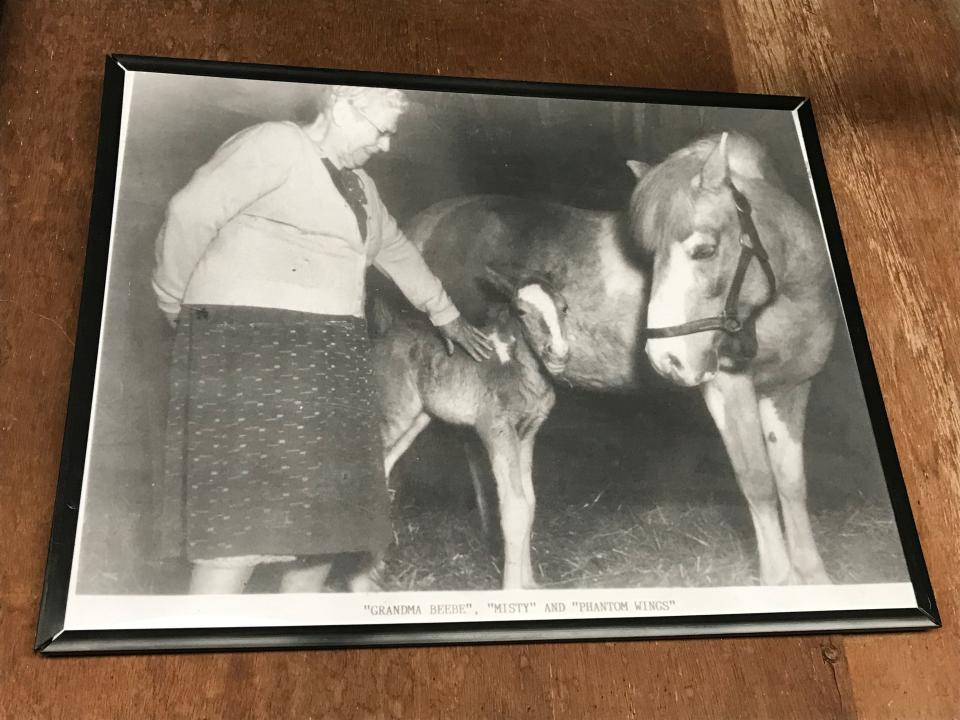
(639, 169)
(497, 282)
(716, 168)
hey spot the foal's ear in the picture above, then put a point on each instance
(716, 168)
(497, 283)
(639, 169)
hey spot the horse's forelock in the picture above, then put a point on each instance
(661, 207)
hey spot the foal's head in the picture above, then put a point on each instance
(684, 215)
(540, 311)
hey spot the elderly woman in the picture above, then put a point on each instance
(272, 436)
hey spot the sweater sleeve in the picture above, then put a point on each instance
(400, 260)
(245, 168)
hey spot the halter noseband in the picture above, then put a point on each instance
(750, 248)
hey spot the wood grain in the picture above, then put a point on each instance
(884, 84)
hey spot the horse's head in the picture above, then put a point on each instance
(541, 312)
(685, 214)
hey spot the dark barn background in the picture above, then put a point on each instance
(632, 489)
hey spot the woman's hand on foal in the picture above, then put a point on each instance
(474, 342)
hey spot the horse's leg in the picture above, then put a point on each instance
(503, 448)
(732, 401)
(526, 474)
(783, 416)
(477, 465)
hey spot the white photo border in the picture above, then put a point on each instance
(73, 623)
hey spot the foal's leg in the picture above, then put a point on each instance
(783, 417)
(732, 401)
(397, 436)
(477, 464)
(396, 446)
(526, 475)
(503, 447)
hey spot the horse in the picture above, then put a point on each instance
(743, 305)
(618, 271)
(583, 253)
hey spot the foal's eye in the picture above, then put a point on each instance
(703, 251)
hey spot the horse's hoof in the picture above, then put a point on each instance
(532, 585)
(790, 578)
(814, 577)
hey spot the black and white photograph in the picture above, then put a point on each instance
(400, 353)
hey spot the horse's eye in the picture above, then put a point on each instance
(703, 251)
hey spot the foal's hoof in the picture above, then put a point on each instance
(530, 584)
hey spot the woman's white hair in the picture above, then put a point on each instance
(369, 97)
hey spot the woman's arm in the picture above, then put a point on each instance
(402, 262)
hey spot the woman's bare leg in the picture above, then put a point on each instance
(213, 579)
(305, 580)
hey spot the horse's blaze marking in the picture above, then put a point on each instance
(668, 305)
(537, 296)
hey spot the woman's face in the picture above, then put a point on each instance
(369, 132)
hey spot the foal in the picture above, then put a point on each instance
(505, 398)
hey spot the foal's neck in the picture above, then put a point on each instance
(505, 327)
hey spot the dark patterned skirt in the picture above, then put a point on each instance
(273, 444)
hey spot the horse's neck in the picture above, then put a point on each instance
(799, 325)
(793, 239)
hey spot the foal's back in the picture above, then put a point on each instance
(455, 388)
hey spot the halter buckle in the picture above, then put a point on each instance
(732, 325)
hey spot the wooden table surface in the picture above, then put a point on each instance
(883, 77)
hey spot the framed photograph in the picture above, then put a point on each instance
(372, 359)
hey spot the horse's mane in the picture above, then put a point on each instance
(661, 206)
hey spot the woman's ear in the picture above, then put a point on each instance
(340, 112)
(639, 169)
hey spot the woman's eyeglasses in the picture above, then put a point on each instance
(382, 131)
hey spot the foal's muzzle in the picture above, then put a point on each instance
(555, 362)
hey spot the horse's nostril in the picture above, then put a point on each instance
(674, 362)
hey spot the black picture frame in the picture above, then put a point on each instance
(53, 639)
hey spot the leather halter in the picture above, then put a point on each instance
(750, 248)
